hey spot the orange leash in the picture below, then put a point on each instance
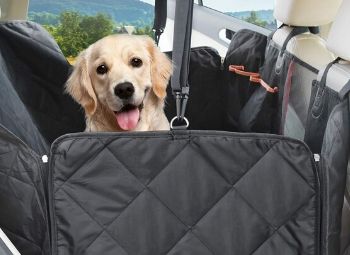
(240, 70)
(264, 84)
(253, 77)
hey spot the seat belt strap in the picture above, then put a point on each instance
(181, 56)
(160, 16)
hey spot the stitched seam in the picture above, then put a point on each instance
(285, 223)
(159, 200)
(22, 237)
(91, 217)
(92, 157)
(172, 212)
(168, 136)
(214, 205)
(176, 243)
(154, 177)
(106, 147)
(165, 205)
(295, 171)
(87, 247)
(212, 165)
(14, 159)
(32, 184)
(145, 187)
(35, 196)
(253, 208)
(126, 206)
(336, 124)
(206, 246)
(124, 209)
(254, 165)
(15, 178)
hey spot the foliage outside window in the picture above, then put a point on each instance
(75, 32)
(257, 12)
(77, 24)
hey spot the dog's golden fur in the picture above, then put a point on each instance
(95, 92)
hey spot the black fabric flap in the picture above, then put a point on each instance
(23, 210)
(33, 72)
(183, 193)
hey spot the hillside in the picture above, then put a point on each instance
(264, 15)
(133, 12)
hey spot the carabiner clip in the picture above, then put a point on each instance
(181, 103)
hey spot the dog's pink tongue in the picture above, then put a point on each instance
(128, 120)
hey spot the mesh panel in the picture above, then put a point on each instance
(298, 89)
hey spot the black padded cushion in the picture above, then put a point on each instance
(33, 72)
(23, 214)
(183, 193)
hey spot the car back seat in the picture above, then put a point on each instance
(309, 55)
(338, 75)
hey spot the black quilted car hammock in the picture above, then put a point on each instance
(215, 188)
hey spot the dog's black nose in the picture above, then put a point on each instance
(124, 90)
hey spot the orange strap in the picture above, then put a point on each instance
(254, 77)
(264, 84)
(240, 70)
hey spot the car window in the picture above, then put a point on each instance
(257, 12)
(77, 24)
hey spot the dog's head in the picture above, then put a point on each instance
(118, 73)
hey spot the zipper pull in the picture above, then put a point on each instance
(222, 63)
(45, 159)
(317, 157)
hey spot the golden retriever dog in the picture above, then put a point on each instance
(121, 81)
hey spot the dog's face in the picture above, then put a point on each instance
(118, 73)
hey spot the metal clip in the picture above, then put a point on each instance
(181, 103)
(157, 33)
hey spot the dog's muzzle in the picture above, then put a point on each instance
(124, 90)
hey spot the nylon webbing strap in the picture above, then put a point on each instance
(160, 16)
(295, 31)
(317, 105)
(323, 81)
(181, 55)
(313, 30)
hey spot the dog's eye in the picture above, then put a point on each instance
(102, 69)
(136, 62)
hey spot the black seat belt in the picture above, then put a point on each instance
(160, 16)
(181, 60)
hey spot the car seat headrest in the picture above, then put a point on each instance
(306, 13)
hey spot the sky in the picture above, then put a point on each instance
(235, 5)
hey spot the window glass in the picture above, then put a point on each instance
(77, 24)
(258, 12)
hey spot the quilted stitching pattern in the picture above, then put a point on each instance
(22, 202)
(197, 198)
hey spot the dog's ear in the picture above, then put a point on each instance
(161, 69)
(79, 85)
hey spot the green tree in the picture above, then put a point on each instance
(96, 27)
(69, 35)
(51, 29)
(76, 32)
(147, 30)
(254, 19)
